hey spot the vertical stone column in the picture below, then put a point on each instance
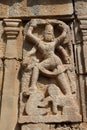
(81, 15)
(2, 48)
(83, 28)
(9, 109)
(81, 60)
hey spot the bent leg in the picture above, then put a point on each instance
(63, 83)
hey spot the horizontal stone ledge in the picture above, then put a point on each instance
(82, 17)
(36, 8)
(50, 119)
(12, 20)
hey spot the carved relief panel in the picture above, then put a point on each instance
(43, 65)
(48, 84)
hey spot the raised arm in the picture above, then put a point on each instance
(31, 36)
(63, 35)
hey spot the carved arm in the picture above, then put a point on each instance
(65, 54)
(31, 36)
(63, 28)
(48, 73)
(61, 37)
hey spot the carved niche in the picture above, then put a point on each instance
(48, 84)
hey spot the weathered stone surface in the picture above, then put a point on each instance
(48, 91)
(1, 80)
(53, 101)
(54, 127)
(25, 8)
(12, 30)
(83, 95)
(83, 24)
(80, 50)
(4, 9)
(36, 127)
(10, 92)
(81, 46)
(9, 108)
(2, 40)
(81, 7)
(79, 59)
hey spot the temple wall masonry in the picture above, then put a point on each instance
(43, 65)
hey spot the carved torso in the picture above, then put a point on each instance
(47, 48)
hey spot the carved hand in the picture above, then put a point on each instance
(67, 60)
(33, 23)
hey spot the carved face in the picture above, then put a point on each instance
(49, 33)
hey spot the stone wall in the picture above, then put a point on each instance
(43, 61)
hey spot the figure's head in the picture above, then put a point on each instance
(49, 33)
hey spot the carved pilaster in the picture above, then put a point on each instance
(2, 49)
(81, 60)
(83, 27)
(9, 108)
(11, 31)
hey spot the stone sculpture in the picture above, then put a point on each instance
(43, 65)
(53, 63)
